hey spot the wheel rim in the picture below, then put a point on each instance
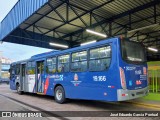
(59, 94)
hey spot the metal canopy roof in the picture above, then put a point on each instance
(65, 21)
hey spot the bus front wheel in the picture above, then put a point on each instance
(19, 89)
(59, 94)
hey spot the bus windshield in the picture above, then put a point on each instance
(132, 51)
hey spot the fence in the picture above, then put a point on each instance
(154, 76)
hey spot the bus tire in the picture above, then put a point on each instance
(59, 95)
(19, 89)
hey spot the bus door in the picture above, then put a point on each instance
(12, 77)
(40, 76)
(23, 76)
(30, 77)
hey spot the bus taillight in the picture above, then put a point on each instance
(124, 95)
(123, 79)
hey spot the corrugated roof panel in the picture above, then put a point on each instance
(48, 23)
(53, 15)
(122, 20)
(145, 13)
(134, 18)
(78, 22)
(115, 25)
(87, 4)
(68, 28)
(62, 10)
(117, 31)
(54, 3)
(21, 11)
(55, 34)
(33, 18)
(158, 19)
(72, 13)
(52, 34)
(22, 26)
(86, 19)
(44, 9)
(140, 24)
(42, 30)
(118, 7)
(158, 8)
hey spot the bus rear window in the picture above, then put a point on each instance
(132, 51)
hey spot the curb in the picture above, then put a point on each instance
(144, 104)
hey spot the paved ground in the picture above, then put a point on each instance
(11, 101)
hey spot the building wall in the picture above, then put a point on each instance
(4, 66)
(0, 69)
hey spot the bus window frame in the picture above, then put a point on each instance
(108, 44)
(31, 67)
(12, 68)
(68, 62)
(55, 64)
(79, 61)
(16, 69)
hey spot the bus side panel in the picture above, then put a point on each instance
(54, 80)
(49, 86)
(82, 85)
(30, 83)
(12, 84)
(14, 81)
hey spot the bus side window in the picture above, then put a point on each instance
(63, 63)
(17, 70)
(100, 58)
(79, 61)
(51, 65)
(30, 68)
(12, 72)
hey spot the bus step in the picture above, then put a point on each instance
(40, 93)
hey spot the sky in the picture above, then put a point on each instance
(13, 51)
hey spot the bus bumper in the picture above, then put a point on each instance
(123, 95)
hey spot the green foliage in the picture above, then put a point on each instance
(152, 96)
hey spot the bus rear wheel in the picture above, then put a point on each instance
(19, 89)
(59, 94)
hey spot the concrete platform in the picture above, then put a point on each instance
(10, 100)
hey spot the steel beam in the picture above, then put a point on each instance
(79, 15)
(44, 15)
(139, 8)
(20, 35)
(57, 12)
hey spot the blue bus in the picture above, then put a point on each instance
(114, 69)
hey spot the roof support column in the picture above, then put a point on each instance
(33, 32)
(130, 21)
(155, 17)
(110, 29)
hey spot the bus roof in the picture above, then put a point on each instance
(43, 54)
(21, 61)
